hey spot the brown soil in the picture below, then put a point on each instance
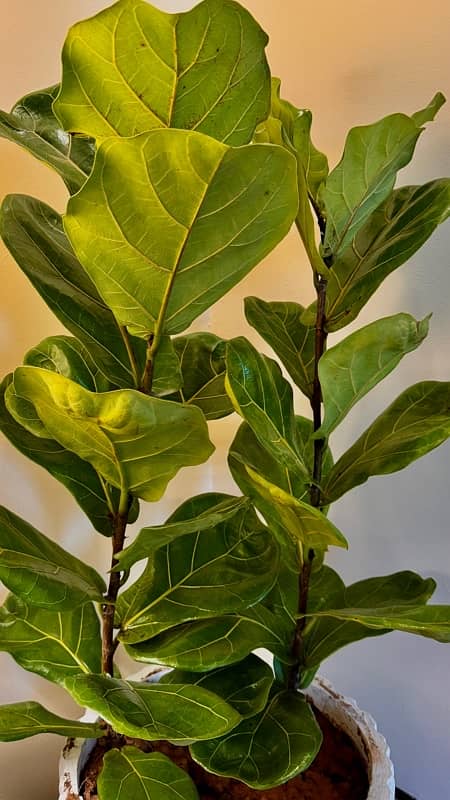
(338, 772)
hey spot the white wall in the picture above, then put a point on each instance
(350, 62)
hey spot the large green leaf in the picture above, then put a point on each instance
(202, 364)
(137, 443)
(210, 643)
(415, 423)
(389, 237)
(129, 773)
(203, 574)
(133, 67)
(69, 357)
(40, 571)
(264, 399)
(355, 365)
(33, 233)
(430, 621)
(280, 326)
(366, 174)
(269, 748)
(176, 712)
(79, 477)
(245, 685)
(192, 219)
(33, 125)
(52, 644)
(323, 635)
(21, 720)
(205, 512)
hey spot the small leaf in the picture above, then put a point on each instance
(40, 571)
(269, 748)
(323, 635)
(154, 711)
(353, 367)
(202, 363)
(69, 357)
(55, 645)
(33, 125)
(280, 326)
(129, 773)
(79, 477)
(33, 233)
(156, 68)
(389, 237)
(21, 720)
(162, 249)
(104, 429)
(202, 574)
(366, 174)
(263, 398)
(220, 509)
(245, 685)
(416, 422)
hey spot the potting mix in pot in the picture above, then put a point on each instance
(185, 168)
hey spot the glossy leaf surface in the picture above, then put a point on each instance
(197, 514)
(202, 574)
(432, 621)
(202, 364)
(33, 233)
(269, 748)
(40, 571)
(129, 773)
(280, 326)
(263, 398)
(389, 237)
(179, 713)
(21, 720)
(366, 174)
(69, 357)
(33, 125)
(55, 645)
(137, 443)
(245, 685)
(192, 219)
(157, 70)
(416, 422)
(350, 369)
(79, 477)
(325, 634)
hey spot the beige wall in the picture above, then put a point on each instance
(350, 62)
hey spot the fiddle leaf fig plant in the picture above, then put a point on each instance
(186, 168)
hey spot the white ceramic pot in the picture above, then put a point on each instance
(341, 711)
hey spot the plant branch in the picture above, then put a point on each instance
(109, 644)
(147, 376)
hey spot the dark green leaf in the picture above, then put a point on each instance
(137, 443)
(21, 720)
(280, 326)
(55, 645)
(263, 398)
(203, 574)
(133, 67)
(33, 125)
(366, 174)
(269, 748)
(222, 507)
(324, 635)
(355, 365)
(33, 233)
(430, 621)
(41, 572)
(69, 357)
(202, 363)
(128, 774)
(167, 376)
(162, 249)
(389, 237)
(154, 711)
(416, 422)
(79, 477)
(245, 685)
